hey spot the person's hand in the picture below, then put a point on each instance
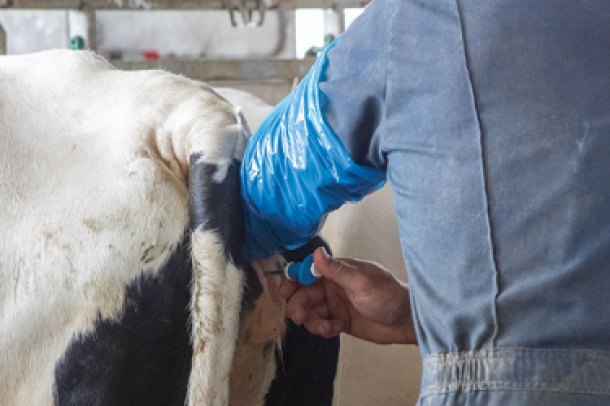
(356, 297)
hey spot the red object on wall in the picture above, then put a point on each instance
(150, 55)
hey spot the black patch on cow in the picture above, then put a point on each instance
(300, 254)
(218, 206)
(142, 359)
(252, 290)
(305, 371)
(307, 366)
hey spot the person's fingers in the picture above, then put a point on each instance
(288, 288)
(322, 311)
(303, 301)
(325, 328)
(341, 272)
(336, 302)
(299, 315)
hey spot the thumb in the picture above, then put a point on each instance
(343, 274)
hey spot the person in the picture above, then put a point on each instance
(491, 120)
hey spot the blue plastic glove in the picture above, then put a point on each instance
(295, 170)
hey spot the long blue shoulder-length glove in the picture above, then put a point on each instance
(295, 170)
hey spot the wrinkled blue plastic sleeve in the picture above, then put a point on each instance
(296, 170)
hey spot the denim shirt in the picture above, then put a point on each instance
(492, 119)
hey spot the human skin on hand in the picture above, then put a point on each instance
(357, 297)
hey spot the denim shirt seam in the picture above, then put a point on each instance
(484, 174)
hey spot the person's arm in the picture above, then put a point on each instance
(359, 298)
(320, 147)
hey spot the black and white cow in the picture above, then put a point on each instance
(121, 280)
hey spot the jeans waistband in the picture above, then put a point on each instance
(556, 370)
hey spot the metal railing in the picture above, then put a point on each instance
(178, 5)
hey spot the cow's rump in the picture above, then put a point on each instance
(120, 264)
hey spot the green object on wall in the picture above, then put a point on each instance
(77, 43)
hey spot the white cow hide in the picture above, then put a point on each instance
(94, 165)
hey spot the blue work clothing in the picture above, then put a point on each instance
(296, 170)
(492, 120)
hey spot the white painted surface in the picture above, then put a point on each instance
(31, 31)
(309, 25)
(351, 14)
(194, 34)
(182, 34)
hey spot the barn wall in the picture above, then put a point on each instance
(192, 34)
(30, 31)
(181, 34)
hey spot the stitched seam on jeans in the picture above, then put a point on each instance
(491, 236)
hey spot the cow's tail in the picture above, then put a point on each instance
(216, 301)
(218, 280)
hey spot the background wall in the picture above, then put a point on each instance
(171, 33)
(29, 31)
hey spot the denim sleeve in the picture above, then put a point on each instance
(355, 84)
(296, 168)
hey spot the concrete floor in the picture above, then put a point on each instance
(371, 374)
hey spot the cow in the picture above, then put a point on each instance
(121, 275)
